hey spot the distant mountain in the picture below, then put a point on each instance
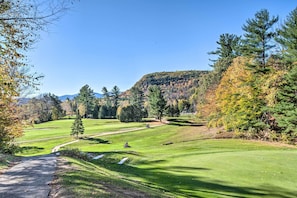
(64, 97)
(175, 85)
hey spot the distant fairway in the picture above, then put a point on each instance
(41, 138)
(176, 161)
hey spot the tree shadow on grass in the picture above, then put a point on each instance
(181, 122)
(118, 152)
(96, 140)
(177, 180)
(30, 149)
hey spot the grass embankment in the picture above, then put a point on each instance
(178, 160)
(185, 161)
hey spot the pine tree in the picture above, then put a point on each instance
(115, 94)
(157, 102)
(106, 96)
(288, 37)
(228, 49)
(285, 110)
(136, 97)
(86, 97)
(257, 42)
(77, 126)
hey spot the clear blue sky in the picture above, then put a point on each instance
(116, 42)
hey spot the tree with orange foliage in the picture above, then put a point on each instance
(238, 102)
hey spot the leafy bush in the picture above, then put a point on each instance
(130, 113)
(9, 148)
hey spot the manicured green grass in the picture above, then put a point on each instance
(41, 147)
(63, 127)
(190, 165)
(89, 180)
(177, 160)
(41, 138)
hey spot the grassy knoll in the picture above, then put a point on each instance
(185, 161)
(41, 138)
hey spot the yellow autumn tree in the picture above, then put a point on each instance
(10, 124)
(239, 106)
(20, 22)
(209, 106)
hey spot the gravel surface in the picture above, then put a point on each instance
(29, 178)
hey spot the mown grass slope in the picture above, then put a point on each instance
(186, 161)
(41, 138)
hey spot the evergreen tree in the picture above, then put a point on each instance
(77, 126)
(157, 102)
(86, 97)
(56, 109)
(288, 37)
(106, 96)
(136, 97)
(103, 112)
(115, 94)
(96, 111)
(285, 110)
(228, 48)
(258, 38)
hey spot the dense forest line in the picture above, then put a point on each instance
(252, 88)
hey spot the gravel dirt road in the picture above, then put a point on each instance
(30, 178)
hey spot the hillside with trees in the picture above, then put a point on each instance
(174, 85)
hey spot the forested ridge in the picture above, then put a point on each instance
(174, 85)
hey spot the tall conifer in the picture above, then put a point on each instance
(258, 39)
(285, 111)
(288, 37)
(77, 126)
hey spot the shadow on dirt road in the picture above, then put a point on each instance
(29, 178)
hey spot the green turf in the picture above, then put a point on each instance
(175, 160)
(41, 138)
(199, 167)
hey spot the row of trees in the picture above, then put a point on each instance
(48, 107)
(91, 107)
(133, 108)
(252, 88)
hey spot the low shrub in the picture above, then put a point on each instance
(75, 153)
